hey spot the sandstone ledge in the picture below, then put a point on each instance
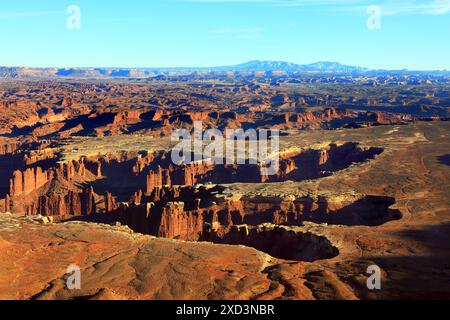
(119, 264)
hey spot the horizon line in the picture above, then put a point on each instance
(367, 69)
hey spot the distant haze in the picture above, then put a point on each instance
(251, 66)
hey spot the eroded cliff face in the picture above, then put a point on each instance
(25, 182)
(206, 213)
(280, 242)
(56, 191)
(149, 194)
(9, 147)
(64, 205)
(218, 209)
(297, 166)
(134, 178)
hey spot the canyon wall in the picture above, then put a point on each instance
(149, 194)
(25, 182)
(203, 212)
(70, 204)
(307, 164)
(9, 148)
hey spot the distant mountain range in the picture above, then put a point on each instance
(271, 66)
(251, 66)
(258, 65)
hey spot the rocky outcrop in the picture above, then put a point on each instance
(5, 204)
(195, 173)
(298, 166)
(69, 204)
(9, 148)
(185, 175)
(110, 203)
(25, 182)
(180, 224)
(299, 119)
(71, 169)
(144, 178)
(88, 202)
(158, 178)
(203, 212)
(171, 212)
(129, 116)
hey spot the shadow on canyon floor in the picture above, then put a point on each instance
(369, 211)
(445, 159)
(420, 275)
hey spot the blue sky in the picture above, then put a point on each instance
(167, 33)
